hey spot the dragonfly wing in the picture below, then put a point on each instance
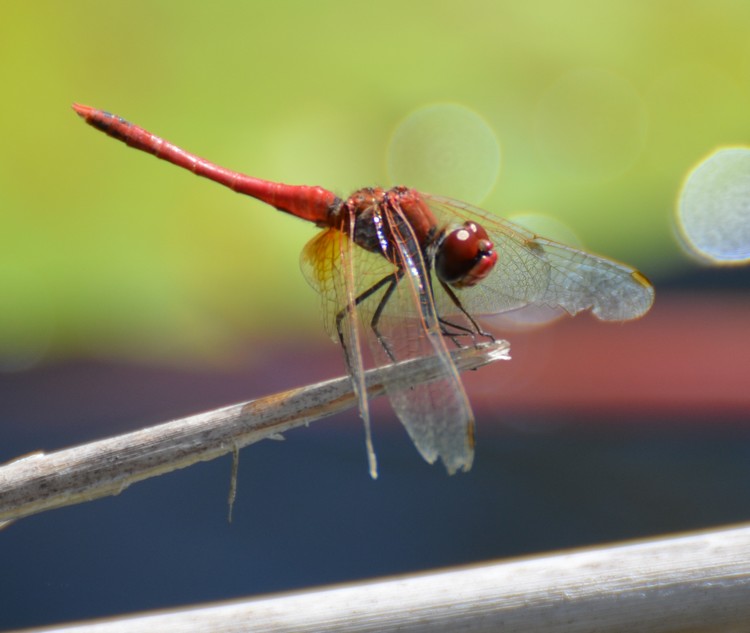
(327, 263)
(321, 266)
(437, 414)
(532, 270)
(578, 281)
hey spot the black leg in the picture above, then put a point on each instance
(391, 279)
(394, 279)
(477, 331)
(462, 330)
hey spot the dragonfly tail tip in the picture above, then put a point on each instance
(82, 110)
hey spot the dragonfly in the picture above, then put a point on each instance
(406, 274)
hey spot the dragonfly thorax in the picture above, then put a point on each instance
(462, 255)
(383, 217)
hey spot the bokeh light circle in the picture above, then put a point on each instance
(713, 211)
(446, 149)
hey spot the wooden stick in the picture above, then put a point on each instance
(696, 583)
(42, 481)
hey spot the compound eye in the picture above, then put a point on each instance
(465, 255)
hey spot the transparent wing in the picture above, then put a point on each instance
(327, 264)
(340, 271)
(437, 415)
(532, 270)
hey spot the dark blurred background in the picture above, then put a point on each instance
(131, 293)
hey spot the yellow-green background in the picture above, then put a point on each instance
(600, 109)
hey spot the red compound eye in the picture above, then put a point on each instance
(465, 255)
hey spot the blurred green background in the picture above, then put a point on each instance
(600, 109)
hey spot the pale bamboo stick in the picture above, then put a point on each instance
(695, 583)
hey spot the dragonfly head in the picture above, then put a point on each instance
(464, 255)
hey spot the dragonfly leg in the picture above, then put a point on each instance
(392, 280)
(477, 329)
(461, 330)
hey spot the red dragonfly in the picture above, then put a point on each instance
(408, 271)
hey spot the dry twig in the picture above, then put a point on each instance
(42, 481)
